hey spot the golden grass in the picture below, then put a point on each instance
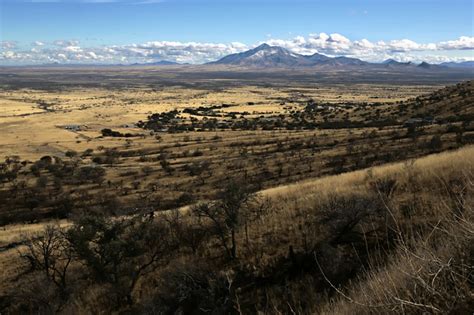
(426, 167)
(306, 192)
(101, 108)
(393, 288)
(18, 232)
(295, 205)
(429, 275)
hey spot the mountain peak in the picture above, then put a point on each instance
(424, 64)
(262, 56)
(262, 46)
(392, 62)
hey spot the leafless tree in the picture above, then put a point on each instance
(50, 253)
(226, 215)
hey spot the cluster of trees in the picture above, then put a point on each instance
(115, 253)
(314, 115)
(47, 194)
(158, 121)
(301, 120)
(107, 132)
(9, 169)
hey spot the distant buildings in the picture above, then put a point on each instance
(73, 127)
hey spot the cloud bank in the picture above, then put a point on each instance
(72, 52)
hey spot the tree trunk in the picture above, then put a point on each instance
(234, 245)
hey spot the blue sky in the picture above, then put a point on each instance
(93, 26)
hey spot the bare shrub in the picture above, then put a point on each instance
(50, 253)
(226, 215)
(120, 252)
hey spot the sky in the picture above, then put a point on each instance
(198, 31)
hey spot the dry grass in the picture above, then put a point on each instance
(394, 206)
(430, 269)
(432, 274)
(416, 268)
(100, 108)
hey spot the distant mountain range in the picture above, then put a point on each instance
(391, 62)
(465, 64)
(266, 56)
(158, 63)
(274, 56)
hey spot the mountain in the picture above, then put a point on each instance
(425, 65)
(157, 63)
(163, 63)
(317, 58)
(343, 61)
(274, 56)
(394, 63)
(261, 56)
(465, 64)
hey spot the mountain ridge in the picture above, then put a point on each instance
(276, 56)
(264, 56)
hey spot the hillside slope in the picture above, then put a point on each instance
(450, 103)
(339, 232)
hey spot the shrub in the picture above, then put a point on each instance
(120, 252)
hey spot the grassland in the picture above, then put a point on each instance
(327, 189)
(95, 109)
(400, 249)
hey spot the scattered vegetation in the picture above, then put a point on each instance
(301, 212)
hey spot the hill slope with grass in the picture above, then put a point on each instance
(385, 240)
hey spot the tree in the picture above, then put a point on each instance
(91, 173)
(187, 230)
(120, 252)
(232, 210)
(70, 153)
(199, 169)
(50, 253)
(435, 143)
(9, 169)
(166, 166)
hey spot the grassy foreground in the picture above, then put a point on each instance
(393, 239)
(428, 265)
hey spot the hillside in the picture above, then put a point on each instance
(353, 232)
(280, 138)
(452, 103)
(242, 200)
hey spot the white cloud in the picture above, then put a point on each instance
(70, 51)
(7, 44)
(403, 45)
(62, 43)
(463, 43)
(337, 44)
